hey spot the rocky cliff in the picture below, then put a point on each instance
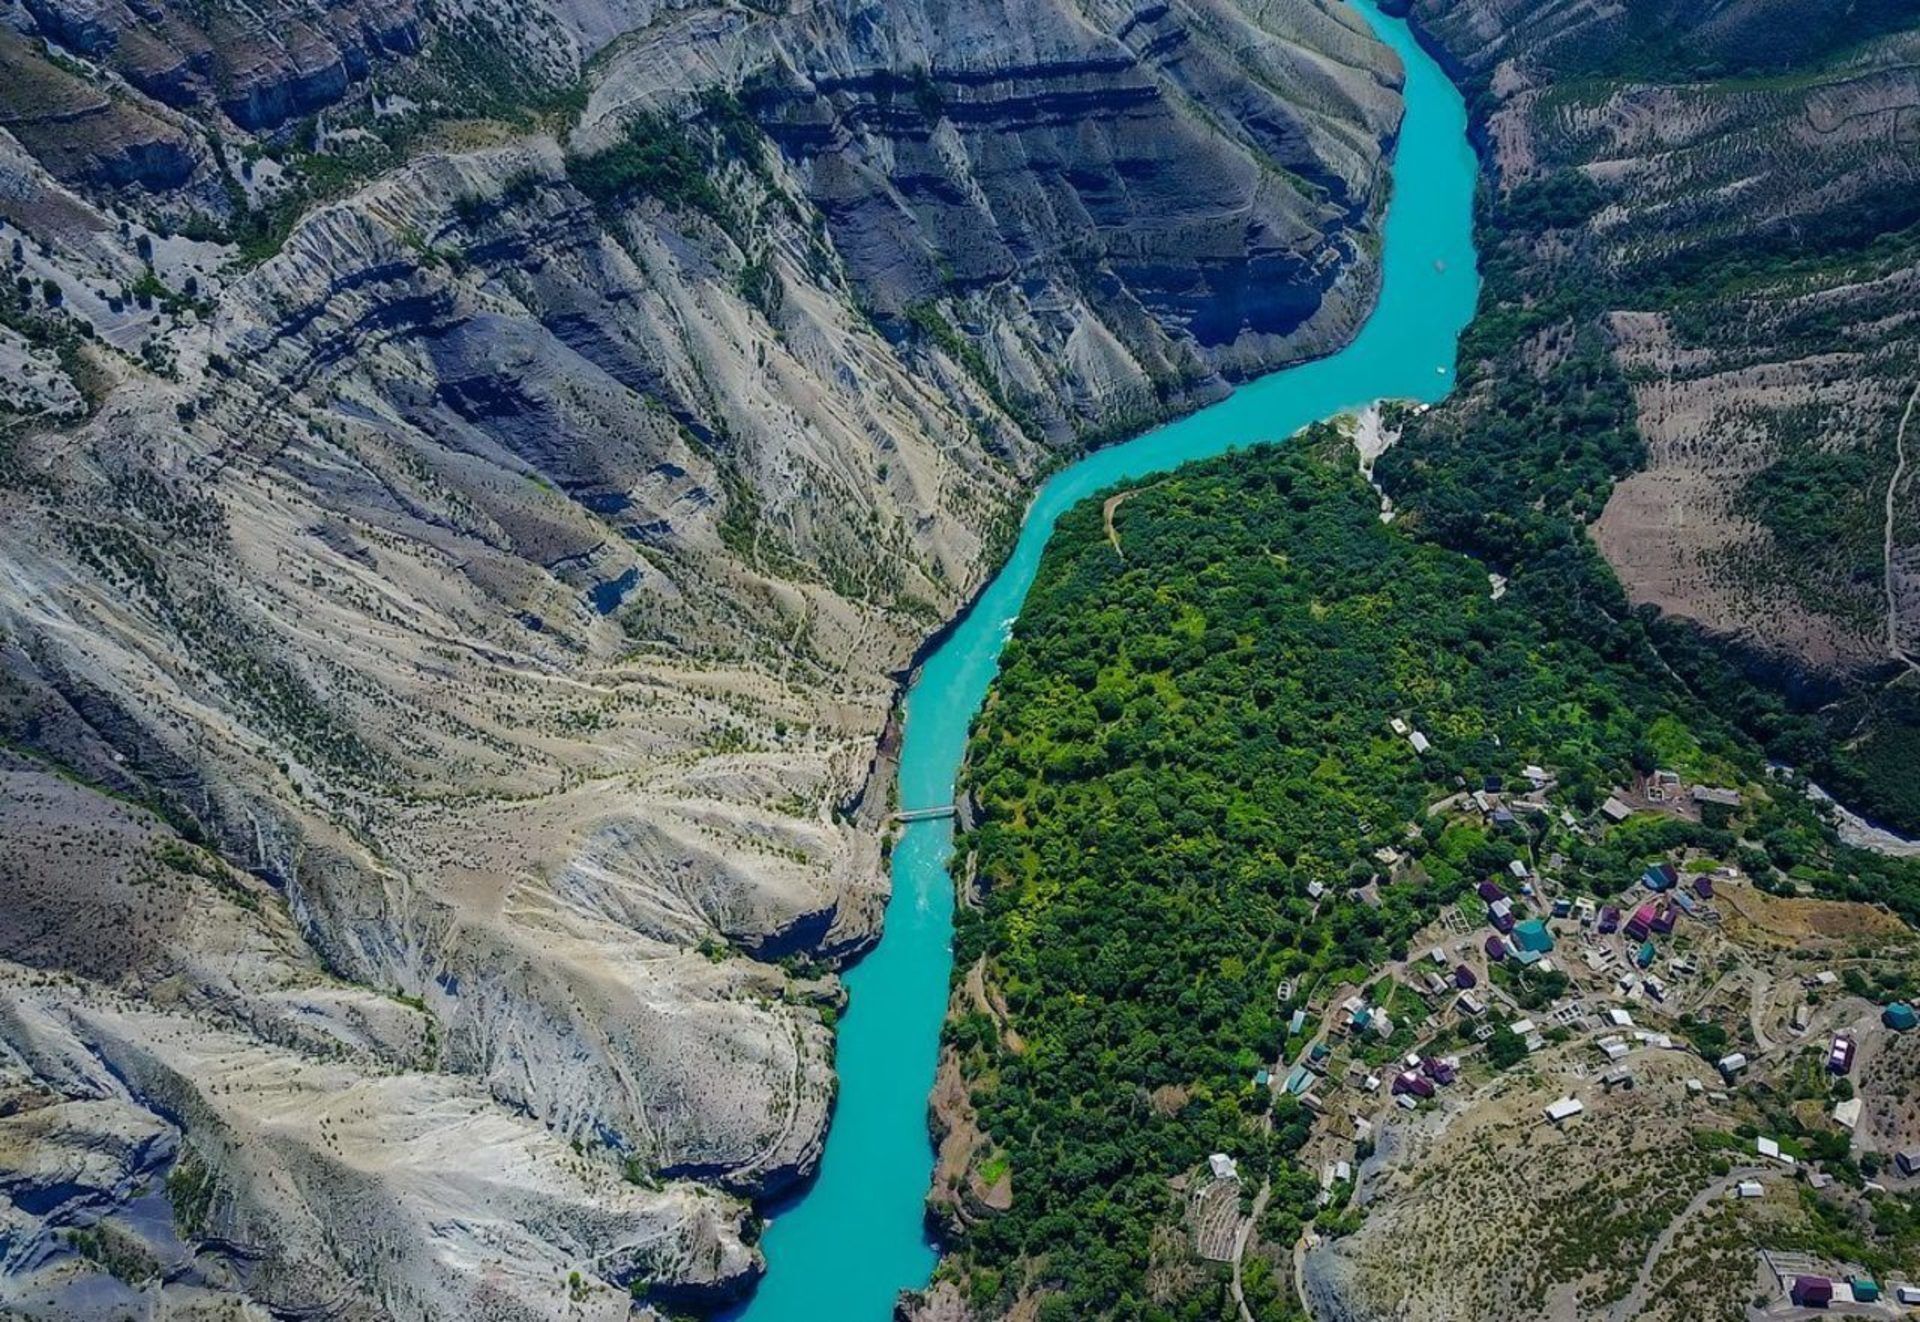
(470, 481)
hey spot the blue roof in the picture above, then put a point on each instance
(1533, 935)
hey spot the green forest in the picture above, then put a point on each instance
(1189, 732)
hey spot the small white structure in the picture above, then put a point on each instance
(1398, 726)
(1438, 956)
(1535, 774)
(1565, 1109)
(1848, 1112)
(1521, 1027)
(1907, 1294)
(1419, 742)
(1620, 1018)
(1733, 1064)
(1616, 810)
(1223, 1166)
(1518, 869)
(1316, 889)
(1768, 1147)
(1750, 1189)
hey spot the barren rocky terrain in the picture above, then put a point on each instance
(471, 480)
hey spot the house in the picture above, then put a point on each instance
(1663, 919)
(1470, 1004)
(1641, 923)
(1398, 726)
(1490, 891)
(1317, 1057)
(1565, 1109)
(1840, 1055)
(1618, 1078)
(1709, 794)
(1767, 1147)
(1703, 885)
(1316, 889)
(1360, 1020)
(1685, 903)
(1615, 810)
(1528, 958)
(1496, 949)
(1522, 1027)
(1847, 1113)
(1731, 1065)
(1802, 1016)
(1644, 956)
(1518, 869)
(1262, 1078)
(1866, 1290)
(1382, 1024)
(1299, 1079)
(1223, 1166)
(1661, 877)
(1463, 977)
(1811, 1291)
(1609, 920)
(1615, 1049)
(1440, 1071)
(1409, 1084)
(1536, 775)
(1533, 935)
(1419, 742)
(1298, 1024)
(1481, 801)
(1503, 919)
(1908, 1161)
(1750, 1189)
(1502, 816)
(1899, 1017)
(1907, 1294)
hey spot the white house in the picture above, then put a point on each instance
(1565, 1109)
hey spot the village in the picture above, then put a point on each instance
(1689, 982)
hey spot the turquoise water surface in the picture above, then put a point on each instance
(842, 1251)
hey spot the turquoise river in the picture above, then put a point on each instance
(843, 1250)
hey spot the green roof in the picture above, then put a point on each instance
(1865, 1289)
(1533, 935)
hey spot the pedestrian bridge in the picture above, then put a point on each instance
(924, 814)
